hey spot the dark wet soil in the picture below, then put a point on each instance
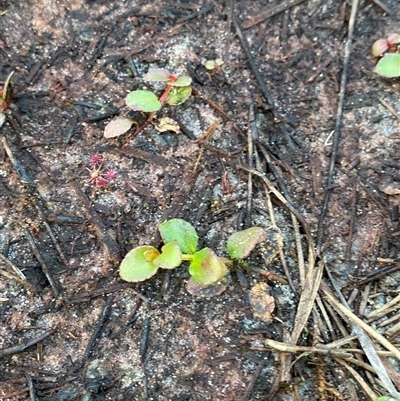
(70, 328)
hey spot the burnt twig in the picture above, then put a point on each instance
(99, 326)
(279, 119)
(41, 261)
(270, 12)
(101, 231)
(31, 389)
(22, 347)
(252, 383)
(19, 168)
(143, 350)
(104, 291)
(336, 135)
(52, 236)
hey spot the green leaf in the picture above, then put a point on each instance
(171, 256)
(142, 100)
(157, 74)
(136, 265)
(182, 232)
(178, 95)
(207, 268)
(389, 66)
(386, 398)
(118, 127)
(208, 291)
(181, 81)
(240, 244)
(210, 64)
(213, 64)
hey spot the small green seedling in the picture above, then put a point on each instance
(176, 92)
(388, 49)
(208, 271)
(5, 98)
(213, 65)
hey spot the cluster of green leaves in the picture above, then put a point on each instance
(208, 271)
(176, 92)
(145, 100)
(388, 49)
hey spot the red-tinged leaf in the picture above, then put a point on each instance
(118, 127)
(208, 291)
(379, 47)
(207, 268)
(393, 39)
(240, 244)
(157, 74)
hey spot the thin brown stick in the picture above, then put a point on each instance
(390, 108)
(22, 347)
(11, 276)
(53, 237)
(272, 10)
(41, 261)
(250, 387)
(12, 266)
(320, 69)
(383, 6)
(196, 92)
(347, 253)
(105, 239)
(336, 136)
(347, 312)
(251, 133)
(320, 349)
(363, 384)
(384, 310)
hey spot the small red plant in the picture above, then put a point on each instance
(389, 51)
(97, 175)
(381, 46)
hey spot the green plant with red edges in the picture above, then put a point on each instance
(389, 51)
(208, 271)
(177, 91)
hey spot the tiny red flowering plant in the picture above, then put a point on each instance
(97, 175)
